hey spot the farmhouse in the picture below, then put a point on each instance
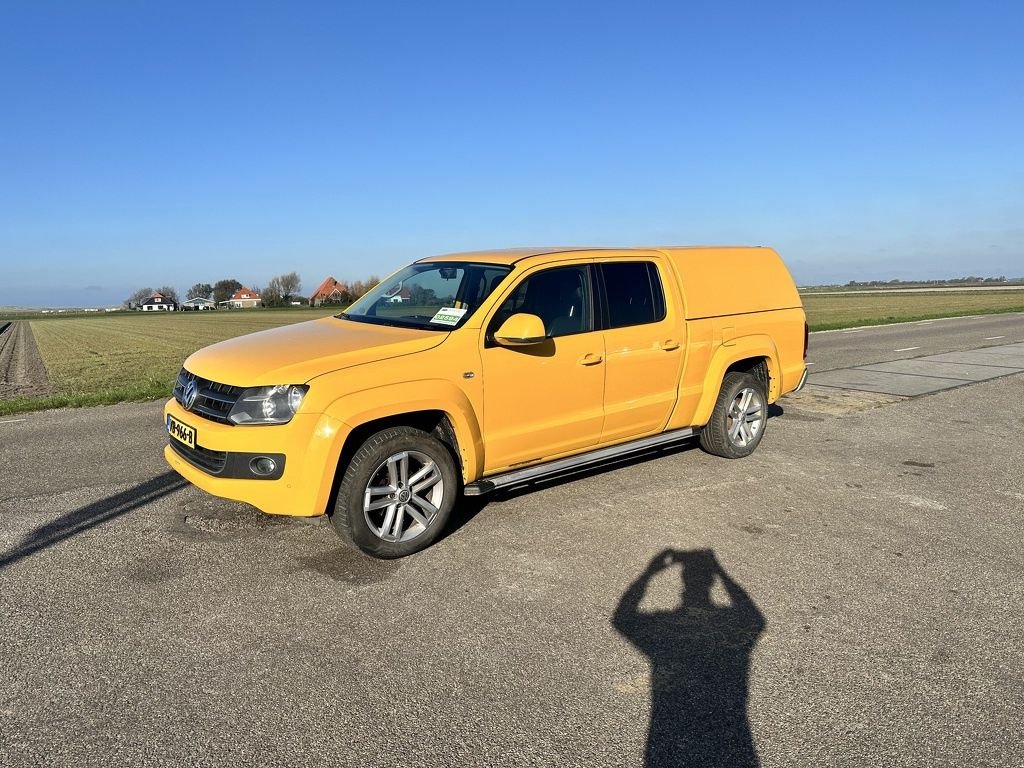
(199, 302)
(330, 292)
(157, 303)
(243, 298)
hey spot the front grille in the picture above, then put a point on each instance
(207, 460)
(214, 401)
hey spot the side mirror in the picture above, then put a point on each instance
(520, 330)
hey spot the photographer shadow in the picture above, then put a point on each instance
(700, 664)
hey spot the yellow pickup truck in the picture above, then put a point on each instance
(465, 373)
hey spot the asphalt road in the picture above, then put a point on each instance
(850, 597)
(860, 346)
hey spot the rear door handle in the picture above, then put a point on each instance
(591, 359)
(669, 344)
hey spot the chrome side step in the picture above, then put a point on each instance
(538, 471)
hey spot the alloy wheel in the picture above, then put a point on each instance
(745, 417)
(403, 496)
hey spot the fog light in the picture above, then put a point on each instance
(263, 465)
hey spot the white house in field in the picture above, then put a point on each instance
(243, 298)
(199, 302)
(157, 303)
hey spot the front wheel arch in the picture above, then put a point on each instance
(378, 507)
(432, 421)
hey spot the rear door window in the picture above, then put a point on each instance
(633, 293)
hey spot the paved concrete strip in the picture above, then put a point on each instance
(905, 384)
(927, 374)
(979, 358)
(934, 369)
(1003, 350)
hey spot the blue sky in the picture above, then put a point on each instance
(144, 144)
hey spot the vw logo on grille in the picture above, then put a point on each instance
(188, 397)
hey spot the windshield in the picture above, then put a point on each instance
(432, 295)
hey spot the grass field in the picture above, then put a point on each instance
(826, 312)
(95, 359)
(100, 359)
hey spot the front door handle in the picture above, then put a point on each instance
(669, 344)
(591, 359)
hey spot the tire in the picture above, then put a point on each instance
(738, 419)
(383, 514)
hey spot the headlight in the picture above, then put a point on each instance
(268, 405)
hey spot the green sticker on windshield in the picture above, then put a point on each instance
(448, 316)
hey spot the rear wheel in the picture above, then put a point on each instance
(738, 419)
(397, 493)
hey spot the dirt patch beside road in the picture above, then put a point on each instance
(22, 372)
(834, 402)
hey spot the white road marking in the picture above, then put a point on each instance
(906, 349)
(993, 338)
(926, 322)
(12, 421)
(808, 365)
(855, 330)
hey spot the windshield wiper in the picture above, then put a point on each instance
(381, 321)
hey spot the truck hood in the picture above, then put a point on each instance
(294, 354)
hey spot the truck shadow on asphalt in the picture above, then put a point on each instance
(700, 660)
(91, 515)
(470, 506)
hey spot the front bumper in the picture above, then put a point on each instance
(306, 450)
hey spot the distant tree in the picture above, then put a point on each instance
(421, 296)
(168, 293)
(199, 291)
(359, 287)
(281, 290)
(271, 295)
(223, 289)
(137, 298)
(290, 285)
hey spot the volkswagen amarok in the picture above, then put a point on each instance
(466, 373)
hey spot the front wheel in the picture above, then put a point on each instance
(397, 493)
(738, 419)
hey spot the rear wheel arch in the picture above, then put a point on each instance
(751, 354)
(759, 368)
(739, 417)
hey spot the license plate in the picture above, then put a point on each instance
(183, 433)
